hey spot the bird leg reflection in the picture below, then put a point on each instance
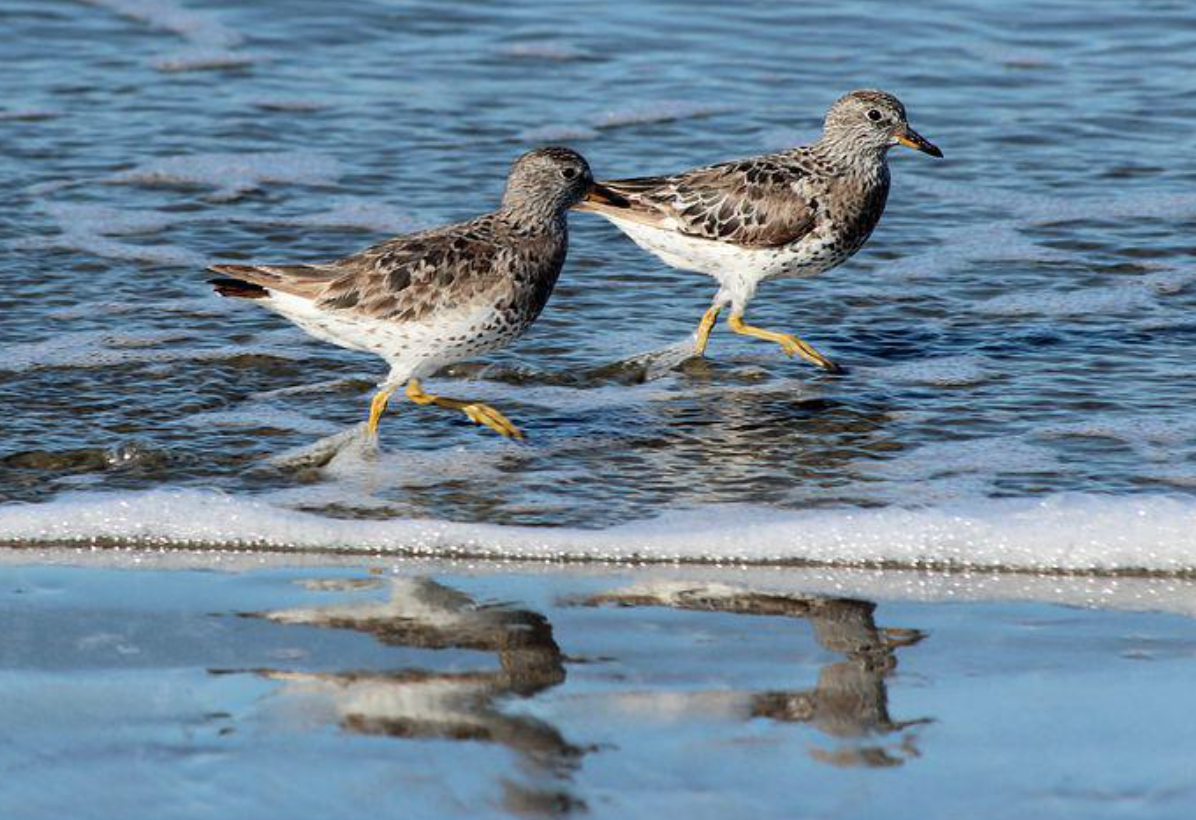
(453, 705)
(850, 699)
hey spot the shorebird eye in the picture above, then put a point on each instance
(568, 173)
(874, 115)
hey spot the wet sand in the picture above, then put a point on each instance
(197, 685)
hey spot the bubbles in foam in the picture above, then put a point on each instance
(1064, 532)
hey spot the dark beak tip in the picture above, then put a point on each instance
(600, 193)
(934, 151)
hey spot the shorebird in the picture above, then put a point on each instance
(428, 299)
(793, 213)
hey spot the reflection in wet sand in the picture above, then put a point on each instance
(850, 700)
(848, 705)
(423, 703)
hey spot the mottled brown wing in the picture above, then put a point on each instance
(748, 202)
(404, 278)
(409, 277)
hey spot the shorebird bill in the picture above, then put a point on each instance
(601, 194)
(912, 139)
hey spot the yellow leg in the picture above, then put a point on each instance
(377, 408)
(704, 328)
(477, 412)
(792, 345)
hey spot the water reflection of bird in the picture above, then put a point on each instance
(794, 213)
(456, 705)
(850, 700)
(429, 299)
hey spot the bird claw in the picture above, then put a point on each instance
(486, 415)
(794, 346)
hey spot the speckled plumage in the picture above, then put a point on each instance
(428, 299)
(793, 213)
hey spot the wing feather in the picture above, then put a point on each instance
(753, 202)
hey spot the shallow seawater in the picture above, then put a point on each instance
(1019, 327)
(152, 686)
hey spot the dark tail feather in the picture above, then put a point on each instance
(241, 290)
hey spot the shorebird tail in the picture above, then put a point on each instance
(227, 286)
(617, 199)
(255, 281)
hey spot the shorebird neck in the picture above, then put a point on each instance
(851, 157)
(531, 216)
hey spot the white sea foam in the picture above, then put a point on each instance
(557, 133)
(638, 114)
(91, 228)
(1157, 437)
(359, 214)
(165, 15)
(950, 469)
(203, 59)
(944, 371)
(234, 175)
(1131, 296)
(1065, 532)
(655, 112)
(543, 50)
(92, 349)
(198, 306)
(258, 416)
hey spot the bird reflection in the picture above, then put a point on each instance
(849, 702)
(422, 703)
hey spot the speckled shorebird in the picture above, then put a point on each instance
(794, 213)
(428, 299)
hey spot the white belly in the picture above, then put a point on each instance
(738, 270)
(411, 348)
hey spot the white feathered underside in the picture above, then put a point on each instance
(412, 349)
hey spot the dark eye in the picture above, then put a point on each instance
(569, 173)
(874, 115)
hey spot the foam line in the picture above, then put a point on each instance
(1063, 533)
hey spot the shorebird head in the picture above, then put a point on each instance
(873, 120)
(548, 180)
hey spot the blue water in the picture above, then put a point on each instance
(1019, 325)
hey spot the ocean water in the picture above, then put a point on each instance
(1018, 332)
